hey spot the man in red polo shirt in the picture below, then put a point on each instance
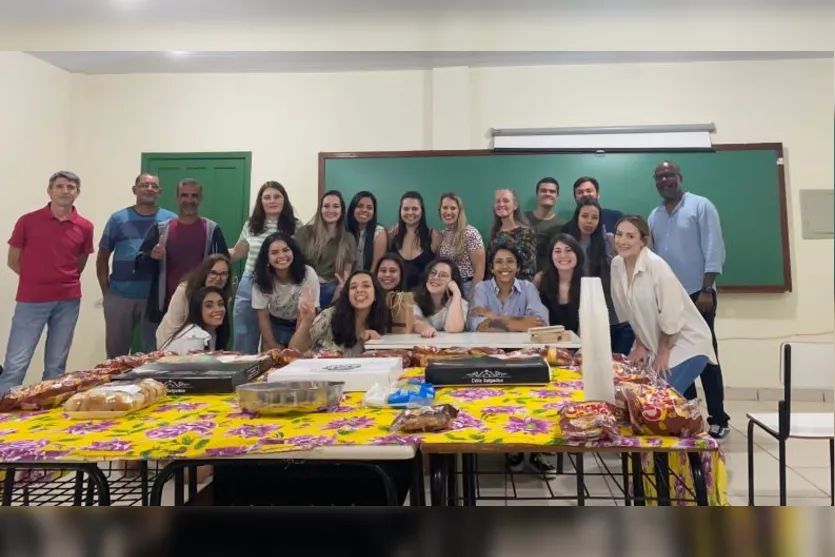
(48, 250)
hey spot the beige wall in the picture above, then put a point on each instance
(285, 120)
(787, 101)
(34, 142)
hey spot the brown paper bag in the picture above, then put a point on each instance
(402, 310)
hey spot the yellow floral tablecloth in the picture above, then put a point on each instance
(212, 426)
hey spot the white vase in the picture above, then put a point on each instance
(598, 376)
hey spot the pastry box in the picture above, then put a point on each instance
(358, 374)
(201, 374)
(488, 371)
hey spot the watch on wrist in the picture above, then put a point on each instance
(707, 290)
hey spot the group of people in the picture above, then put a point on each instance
(324, 285)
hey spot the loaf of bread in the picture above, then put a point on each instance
(559, 356)
(116, 398)
(589, 421)
(51, 393)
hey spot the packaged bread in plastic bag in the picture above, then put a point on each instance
(51, 393)
(115, 399)
(424, 419)
(655, 410)
(589, 421)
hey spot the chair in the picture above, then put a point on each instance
(809, 365)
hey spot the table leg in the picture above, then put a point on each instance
(469, 479)
(143, 481)
(452, 479)
(581, 479)
(699, 483)
(638, 494)
(100, 481)
(79, 489)
(179, 487)
(8, 487)
(662, 478)
(159, 482)
(192, 483)
(417, 493)
(437, 480)
(624, 468)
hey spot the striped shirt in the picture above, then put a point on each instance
(255, 241)
(123, 235)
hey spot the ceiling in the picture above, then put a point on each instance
(191, 11)
(124, 62)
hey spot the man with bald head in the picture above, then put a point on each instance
(687, 234)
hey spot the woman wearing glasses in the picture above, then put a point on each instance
(214, 271)
(439, 302)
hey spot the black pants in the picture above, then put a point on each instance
(712, 376)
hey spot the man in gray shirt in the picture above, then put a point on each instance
(544, 220)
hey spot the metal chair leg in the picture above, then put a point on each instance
(750, 463)
(832, 472)
(781, 444)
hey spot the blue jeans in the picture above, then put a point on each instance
(326, 290)
(28, 323)
(468, 287)
(623, 337)
(282, 330)
(245, 319)
(685, 374)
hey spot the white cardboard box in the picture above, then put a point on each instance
(359, 374)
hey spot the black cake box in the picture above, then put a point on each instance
(200, 374)
(487, 371)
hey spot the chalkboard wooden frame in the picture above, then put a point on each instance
(735, 289)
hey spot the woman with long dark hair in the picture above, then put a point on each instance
(328, 247)
(272, 212)
(359, 314)
(559, 288)
(207, 325)
(412, 238)
(390, 272)
(361, 221)
(280, 282)
(214, 271)
(586, 226)
(439, 300)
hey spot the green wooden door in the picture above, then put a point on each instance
(225, 178)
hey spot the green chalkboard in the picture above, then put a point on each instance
(745, 182)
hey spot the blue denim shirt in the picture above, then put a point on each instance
(523, 301)
(689, 239)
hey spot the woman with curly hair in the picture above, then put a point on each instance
(281, 281)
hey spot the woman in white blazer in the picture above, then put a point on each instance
(670, 334)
